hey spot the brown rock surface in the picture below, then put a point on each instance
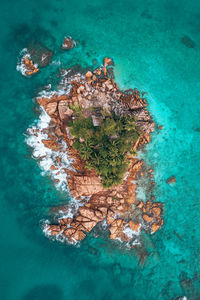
(108, 62)
(64, 110)
(147, 218)
(85, 185)
(155, 227)
(68, 43)
(171, 180)
(88, 75)
(51, 108)
(55, 229)
(51, 144)
(116, 228)
(30, 67)
(79, 235)
(53, 167)
(134, 226)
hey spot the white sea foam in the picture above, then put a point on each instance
(104, 224)
(140, 194)
(45, 228)
(59, 237)
(131, 233)
(135, 242)
(56, 62)
(47, 157)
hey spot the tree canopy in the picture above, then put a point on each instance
(104, 147)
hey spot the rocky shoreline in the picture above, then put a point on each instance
(117, 206)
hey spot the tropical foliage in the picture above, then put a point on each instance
(104, 147)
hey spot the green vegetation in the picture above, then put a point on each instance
(104, 147)
(75, 107)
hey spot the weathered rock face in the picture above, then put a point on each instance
(43, 101)
(95, 92)
(51, 108)
(64, 110)
(51, 144)
(85, 185)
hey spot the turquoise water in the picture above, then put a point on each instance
(145, 40)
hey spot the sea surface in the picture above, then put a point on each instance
(156, 47)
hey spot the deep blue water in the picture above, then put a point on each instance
(145, 39)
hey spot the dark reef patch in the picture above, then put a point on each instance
(145, 14)
(187, 41)
(42, 292)
(23, 34)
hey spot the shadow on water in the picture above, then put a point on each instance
(188, 42)
(145, 14)
(43, 292)
(22, 34)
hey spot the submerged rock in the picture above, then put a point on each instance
(171, 180)
(108, 62)
(187, 41)
(180, 298)
(40, 54)
(68, 43)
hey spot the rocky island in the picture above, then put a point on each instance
(100, 128)
(32, 58)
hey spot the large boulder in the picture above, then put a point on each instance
(155, 227)
(79, 235)
(51, 108)
(51, 144)
(64, 110)
(134, 226)
(85, 185)
(147, 218)
(116, 228)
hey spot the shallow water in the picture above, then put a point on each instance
(156, 48)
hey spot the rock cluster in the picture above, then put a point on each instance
(96, 92)
(30, 67)
(152, 214)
